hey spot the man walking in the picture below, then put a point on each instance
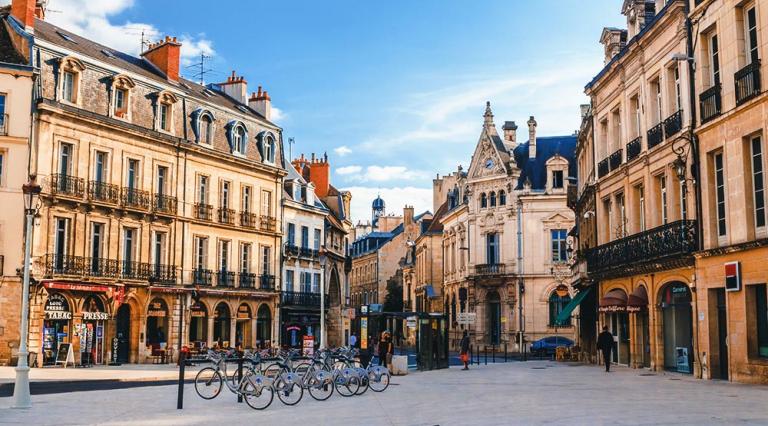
(605, 345)
(464, 353)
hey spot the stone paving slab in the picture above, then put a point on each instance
(534, 392)
(123, 372)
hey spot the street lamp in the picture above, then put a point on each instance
(323, 259)
(21, 396)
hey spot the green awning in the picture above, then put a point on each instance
(563, 316)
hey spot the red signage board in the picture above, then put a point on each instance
(76, 287)
(732, 276)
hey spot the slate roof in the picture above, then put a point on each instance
(8, 52)
(535, 170)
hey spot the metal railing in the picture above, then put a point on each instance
(299, 298)
(268, 223)
(99, 267)
(203, 277)
(673, 123)
(103, 192)
(225, 278)
(203, 211)
(267, 282)
(165, 204)
(226, 216)
(634, 147)
(489, 269)
(710, 103)
(61, 184)
(132, 270)
(747, 82)
(603, 168)
(616, 159)
(162, 274)
(4, 124)
(655, 135)
(135, 198)
(249, 220)
(246, 280)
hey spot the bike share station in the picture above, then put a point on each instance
(431, 331)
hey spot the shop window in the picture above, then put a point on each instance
(157, 325)
(198, 325)
(56, 326)
(221, 325)
(264, 327)
(556, 305)
(757, 320)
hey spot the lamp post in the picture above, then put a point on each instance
(323, 259)
(21, 396)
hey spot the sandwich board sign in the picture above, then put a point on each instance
(64, 355)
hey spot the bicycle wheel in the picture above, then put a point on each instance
(272, 372)
(289, 389)
(347, 382)
(256, 391)
(379, 384)
(364, 381)
(320, 384)
(208, 383)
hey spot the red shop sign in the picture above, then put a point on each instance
(76, 287)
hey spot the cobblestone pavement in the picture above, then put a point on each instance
(534, 392)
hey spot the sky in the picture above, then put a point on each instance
(393, 91)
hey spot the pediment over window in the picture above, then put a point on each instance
(123, 81)
(70, 62)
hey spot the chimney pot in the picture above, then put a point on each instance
(24, 12)
(165, 56)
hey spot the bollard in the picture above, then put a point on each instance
(239, 376)
(182, 362)
(505, 352)
(486, 354)
(493, 347)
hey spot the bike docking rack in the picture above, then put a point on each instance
(258, 377)
(496, 353)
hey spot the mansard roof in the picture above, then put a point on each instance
(535, 170)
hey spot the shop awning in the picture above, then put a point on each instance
(563, 316)
(614, 301)
(638, 300)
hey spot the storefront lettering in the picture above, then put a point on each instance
(95, 316)
(58, 315)
(156, 313)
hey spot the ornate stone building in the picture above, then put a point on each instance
(504, 235)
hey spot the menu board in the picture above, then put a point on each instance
(64, 355)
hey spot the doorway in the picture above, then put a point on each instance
(722, 334)
(677, 327)
(123, 333)
(619, 325)
(494, 318)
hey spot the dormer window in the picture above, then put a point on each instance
(71, 68)
(165, 101)
(165, 117)
(269, 150)
(557, 166)
(121, 102)
(237, 136)
(557, 179)
(239, 140)
(206, 129)
(121, 87)
(68, 87)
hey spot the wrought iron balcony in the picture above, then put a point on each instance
(292, 250)
(66, 185)
(225, 278)
(165, 204)
(673, 123)
(103, 192)
(747, 81)
(162, 274)
(300, 298)
(490, 269)
(249, 220)
(710, 103)
(226, 216)
(655, 135)
(616, 159)
(203, 211)
(131, 270)
(634, 147)
(4, 124)
(670, 244)
(268, 223)
(267, 282)
(135, 198)
(101, 268)
(202, 277)
(246, 280)
(603, 168)
(63, 265)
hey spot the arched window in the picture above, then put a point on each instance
(493, 199)
(206, 129)
(269, 149)
(556, 305)
(240, 139)
(483, 200)
(502, 198)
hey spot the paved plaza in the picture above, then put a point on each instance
(535, 392)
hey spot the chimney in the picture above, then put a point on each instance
(236, 88)
(510, 133)
(261, 103)
(320, 175)
(407, 215)
(24, 12)
(165, 55)
(531, 138)
(613, 40)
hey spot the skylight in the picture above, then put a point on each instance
(107, 53)
(65, 37)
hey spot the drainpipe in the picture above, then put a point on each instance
(520, 275)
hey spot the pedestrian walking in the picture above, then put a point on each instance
(605, 345)
(352, 340)
(464, 351)
(383, 348)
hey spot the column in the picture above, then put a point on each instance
(253, 331)
(233, 330)
(210, 331)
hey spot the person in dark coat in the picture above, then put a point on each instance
(464, 353)
(605, 345)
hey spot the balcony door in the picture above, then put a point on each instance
(100, 167)
(61, 243)
(492, 249)
(97, 247)
(304, 237)
(129, 250)
(494, 318)
(132, 177)
(158, 252)
(65, 159)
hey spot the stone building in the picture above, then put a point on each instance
(731, 274)
(159, 224)
(16, 80)
(512, 193)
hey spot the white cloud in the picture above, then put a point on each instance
(342, 151)
(277, 114)
(395, 198)
(348, 170)
(91, 19)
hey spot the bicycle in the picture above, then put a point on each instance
(285, 380)
(254, 387)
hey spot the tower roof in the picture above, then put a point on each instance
(378, 203)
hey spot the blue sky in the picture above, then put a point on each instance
(394, 91)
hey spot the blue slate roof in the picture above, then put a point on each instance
(535, 170)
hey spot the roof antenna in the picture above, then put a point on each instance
(202, 70)
(291, 141)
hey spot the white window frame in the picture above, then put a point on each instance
(719, 175)
(758, 176)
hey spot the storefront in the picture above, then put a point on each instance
(57, 325)
(243, 326)
(92, 330)
(677, 326)
(198, 326)
(614, 307)
(264, 327)
(221, 325)
(157, 324)
(637, 306)
(296, 325)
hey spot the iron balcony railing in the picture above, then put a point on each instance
(655, 135)
(300, 298)
(162, 274)
(99, 267)
(225, 278)
(165, 204)
(292, 250)
(310, 253)
(62, 265)
(4, 124)
(202, 277)
(603, 168)
(132, 270)
(249, 220)
(616, 159)
(267, 282)
(203, 211)
(673, 123)
(246, 280)
(103, 192)
(135, 198)
(634, 147)
(226, 216)
(710, 103)
(665, 242)
(268, 223)
(489, 269)
(61, 184)
(747, 81)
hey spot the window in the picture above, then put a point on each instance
(129, 250)
(201, 252)
(557, 179)
(305, 282)
(678, 93)
(132, 176)
(100, 167)
(158, 249)
(714, 60)
(760, 305)
(206, 129)
(224, 195)
(663, 195)
(622, 231)
(291, 234)
(316, 283)
(493, 199)
(165, 117)
(65, 159)
(121, 102)
(202, 189)
(245, 258)
(266, 255)
(269, 149)
(288, 280)
(502, 198)
(239, 140)
(61, 242)
(492, 248)
(97, 243)
(223, 256)
(266, 203)
(304, 237)
(246, 200)
(556, 305)
(559, 252)
(683, 200)
(2, 164)
(720, 194)
(758, 180)
(68, 89)
(636, 116)
(3, 120)
(641, 202)
(657, 90)
(483, 200)
(750, 22)
(608, 209)
(162, 180)
(318, 237)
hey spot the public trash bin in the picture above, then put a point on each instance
(399, 365)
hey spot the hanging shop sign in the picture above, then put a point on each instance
(243, 312)
(561, 290)
(308, 345)
(95, 316)
(157, 309)
(732, 276)
(57, 308)
(197, 310)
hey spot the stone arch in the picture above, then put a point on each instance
(334, 288)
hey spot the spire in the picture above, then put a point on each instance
(488, 114)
